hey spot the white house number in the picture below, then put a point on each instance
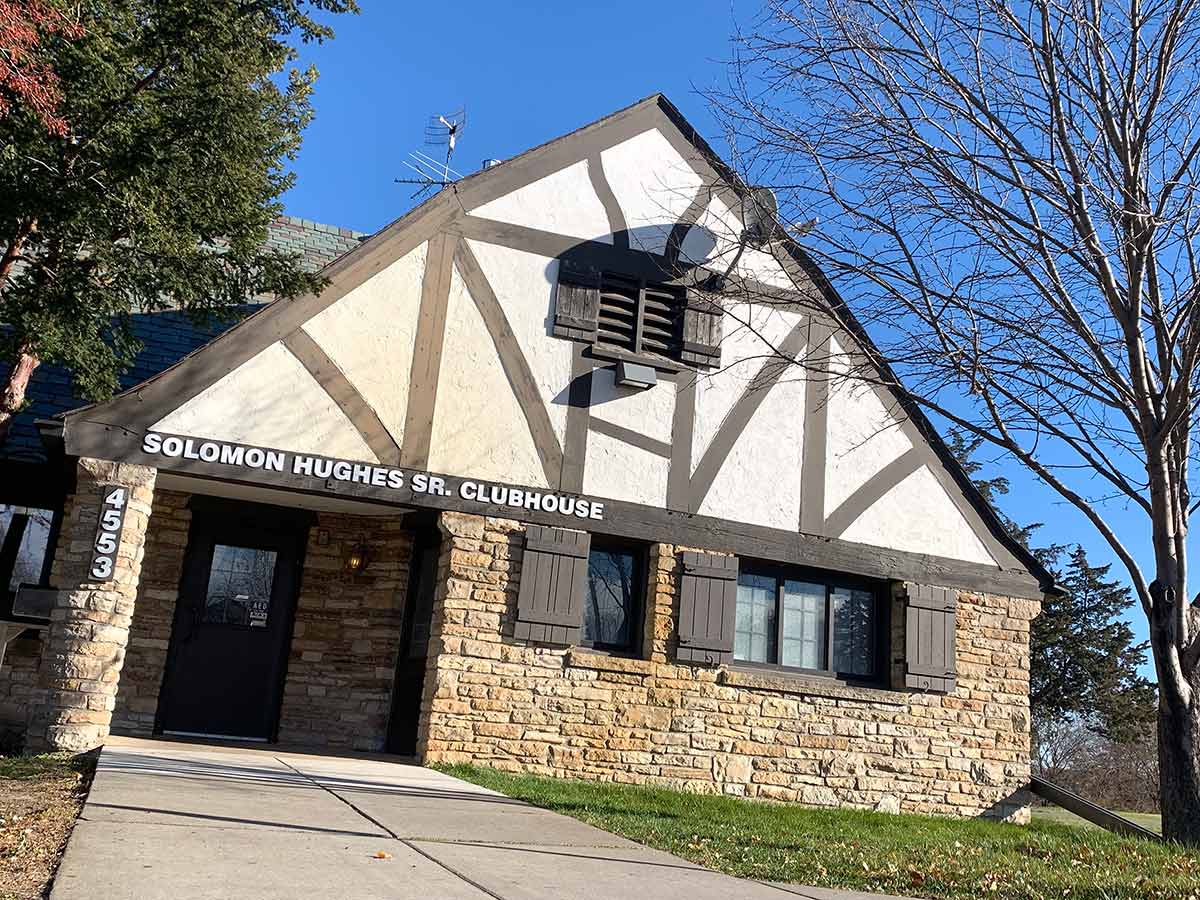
(108, 531)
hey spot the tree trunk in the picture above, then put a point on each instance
(13, 397)
(1179, 769)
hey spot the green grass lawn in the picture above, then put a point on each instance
(1153, 821)
(908, 855)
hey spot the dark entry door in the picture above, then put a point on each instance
(414, 648)
(233, 622)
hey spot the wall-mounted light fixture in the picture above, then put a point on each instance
(358, 558)
(635, 375)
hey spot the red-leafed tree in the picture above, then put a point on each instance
(26, 75)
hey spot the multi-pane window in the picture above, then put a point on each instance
(24, 545)
(613, 596)
(803, 621)
(640, 318)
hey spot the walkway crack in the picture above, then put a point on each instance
(407, 843)
(453, 871)
(335, 794)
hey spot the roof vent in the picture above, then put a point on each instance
(490, 163)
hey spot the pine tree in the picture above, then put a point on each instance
(1084, 662)
(179, 119)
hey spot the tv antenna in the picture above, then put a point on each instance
(431, 173)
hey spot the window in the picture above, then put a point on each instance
(640, 318)
(613, 596)
(24, 545)
(240, 580)
(803, 620)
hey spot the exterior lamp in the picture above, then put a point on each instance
(635, 375)
(357, 559)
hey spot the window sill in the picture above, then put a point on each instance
(601, 661)
(789, 683)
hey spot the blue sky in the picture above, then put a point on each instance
(527, 72)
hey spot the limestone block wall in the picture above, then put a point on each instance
(347, 629)
(150, 632)
(754, 733)
(18, 686)
(347, 633)
(89, 625)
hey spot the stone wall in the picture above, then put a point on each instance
(496, 702)
(150, 633)
(347, 634)
(88, 632)
(18, 687)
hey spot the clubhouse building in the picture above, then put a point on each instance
(567, 471)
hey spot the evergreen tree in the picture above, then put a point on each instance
(990, 488)
(179, 117)
(1084, 661)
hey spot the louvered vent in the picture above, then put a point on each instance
(626, 304)
(662, 330)
(618, 313)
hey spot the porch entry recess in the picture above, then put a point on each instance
(233, 622)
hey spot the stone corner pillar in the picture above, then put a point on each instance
(89, 623)
(662, 604)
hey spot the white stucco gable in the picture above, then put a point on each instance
(269, 401)
(435, 348)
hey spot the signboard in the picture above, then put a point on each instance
(114, 500)
(323, 473)
(256, 610)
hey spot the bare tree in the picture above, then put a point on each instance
(1122, 775)
(1006, 198)
(1061, 746)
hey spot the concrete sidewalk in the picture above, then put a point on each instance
(191, 822)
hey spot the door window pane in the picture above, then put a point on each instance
(853, 632)
(754, 632)
(612, 598)
(239, 586)
(33, 527)
(804, 625)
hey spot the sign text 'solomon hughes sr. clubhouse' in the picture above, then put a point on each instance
(323, 469)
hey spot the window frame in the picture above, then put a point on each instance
(878, 590)
(604, 349)
(637, 617)
(10, 550)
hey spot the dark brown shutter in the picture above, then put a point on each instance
(553, 579)
(930, 624)
(701, 331)
(577, 303)
(707, 608)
